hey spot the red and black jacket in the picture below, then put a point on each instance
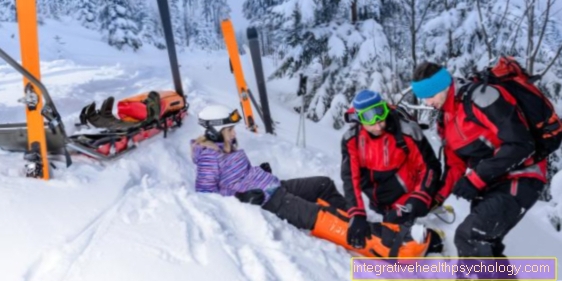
(386, 172)
(496, 146)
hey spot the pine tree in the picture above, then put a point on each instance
(87, 13)
(176, 13)
(207, 27)
(118, 27)
(8, 10)
(341, 56)
(151, 31)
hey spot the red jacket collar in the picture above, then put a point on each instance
(449, 105)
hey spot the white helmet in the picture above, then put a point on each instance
(218, 117)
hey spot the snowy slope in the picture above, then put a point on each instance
(138, 218)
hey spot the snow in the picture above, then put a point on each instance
(138, 218)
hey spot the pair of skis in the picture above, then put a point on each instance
(38, 104)
(244, 93)
(40, 107)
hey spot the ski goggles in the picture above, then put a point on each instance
(233, 118)
(373, 114)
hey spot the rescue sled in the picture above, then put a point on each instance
(139, 117)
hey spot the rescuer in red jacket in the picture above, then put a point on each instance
(387, 157)
(502, 181)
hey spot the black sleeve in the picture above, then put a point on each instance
(431, 178)
(500, 114)
(351, 174)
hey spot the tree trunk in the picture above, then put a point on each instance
(517, 29)
(541, 36)
(448, 5)
(413, 33)
(354, 11)
(531, 27)
(487, 41)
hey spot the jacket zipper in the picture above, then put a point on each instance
(459, 129)
(385, 150)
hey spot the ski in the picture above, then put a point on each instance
(236, 67)
(33, 96)
(253, 99)
(171, 46)
(48, 111)
(255, 53)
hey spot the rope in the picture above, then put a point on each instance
(446, 211)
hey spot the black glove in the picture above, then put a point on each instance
(437, 201)
(465, 189)
(413, 209)
(358, 231)
(265, 166)
(253, 196)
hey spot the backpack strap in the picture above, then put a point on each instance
(399, 239)
(398, 135)
(465, 94)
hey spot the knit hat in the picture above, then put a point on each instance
(366, 98)
(369, 107)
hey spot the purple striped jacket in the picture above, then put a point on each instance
(228, 173)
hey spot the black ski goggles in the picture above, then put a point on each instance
(233, 118)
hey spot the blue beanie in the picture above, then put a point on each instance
(429, 87)
(366, 98)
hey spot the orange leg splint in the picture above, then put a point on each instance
(333, 227)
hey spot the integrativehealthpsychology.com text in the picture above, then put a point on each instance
(454, 268)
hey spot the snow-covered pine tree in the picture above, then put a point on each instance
(150, 25)
(87, 13)
(8, 10)
(177, 18)
(211, 12)
(344, 55)
(258, 12)
(117, 25)
(190, 8)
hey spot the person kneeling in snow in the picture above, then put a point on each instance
(311, 203)
(386, 156)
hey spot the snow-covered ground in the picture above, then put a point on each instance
(138, 218)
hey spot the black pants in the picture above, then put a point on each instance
(295, 200)
(494, 215)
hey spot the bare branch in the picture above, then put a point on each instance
(484, 31)
(519, 25)
(530, 41)
(504, 13)
(423, 16)
(552, 61)
(543, 30)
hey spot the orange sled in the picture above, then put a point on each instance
(140, 117)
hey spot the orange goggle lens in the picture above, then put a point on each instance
(235, 116)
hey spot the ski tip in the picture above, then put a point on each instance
(252, 33)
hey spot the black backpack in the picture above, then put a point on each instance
(544, 124)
